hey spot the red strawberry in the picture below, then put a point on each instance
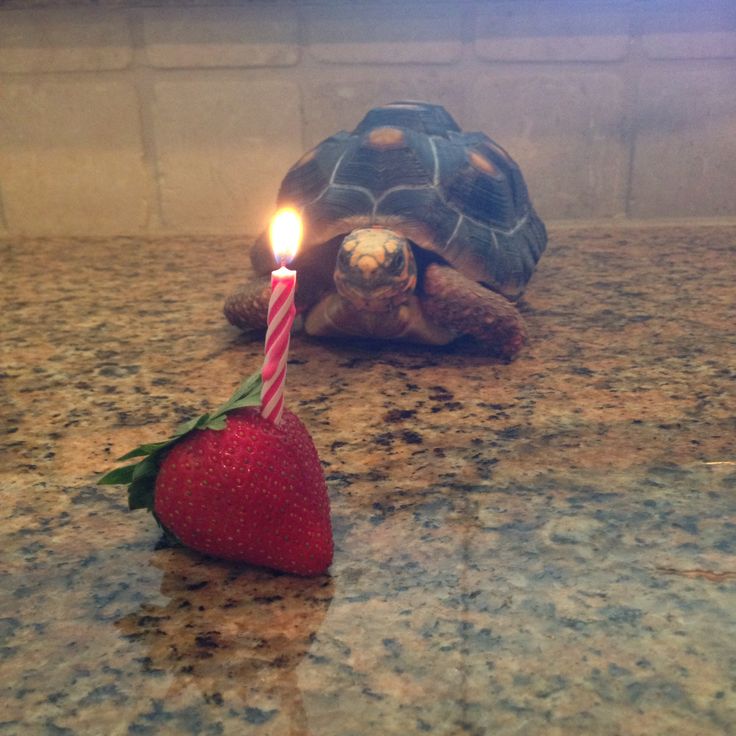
(236, 486)
(251, 492)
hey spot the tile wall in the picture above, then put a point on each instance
(146, 118)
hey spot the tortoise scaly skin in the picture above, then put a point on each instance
(413, 230)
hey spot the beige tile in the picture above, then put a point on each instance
(393, 33)
(689, 30)
(338, 99)
(685, 154)
(552, 31)
(228, 36)
(63, 40)
(224, 146)
(71, 158)
(566, 131)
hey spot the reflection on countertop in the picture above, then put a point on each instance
(541, 547)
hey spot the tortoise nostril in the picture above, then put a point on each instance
(368, 266)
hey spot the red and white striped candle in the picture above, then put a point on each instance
(285, 233)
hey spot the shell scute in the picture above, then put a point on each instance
(385, 158)
(325, 216)
(419, 214)
(312, 173)
(480, 183)
(503, 261)
(421, 117)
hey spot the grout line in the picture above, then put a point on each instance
(635, 61)
(3, 218)
(301, 43)
(142, 75)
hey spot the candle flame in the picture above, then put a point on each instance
(285, 233)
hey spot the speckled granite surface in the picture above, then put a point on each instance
(546, 547)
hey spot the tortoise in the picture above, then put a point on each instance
(413, 230)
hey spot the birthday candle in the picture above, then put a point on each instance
(285, 233)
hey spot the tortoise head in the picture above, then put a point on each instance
(375, 269)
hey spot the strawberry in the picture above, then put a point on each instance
(233, 485)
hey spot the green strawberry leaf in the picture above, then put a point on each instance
(243, 402)
(140, 477)
(188, 426)
(247, 394)
(217, 423)
(144, 450)
(146, 468)
(141, 492)
(119, 476)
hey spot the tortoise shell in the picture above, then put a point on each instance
(408, 167)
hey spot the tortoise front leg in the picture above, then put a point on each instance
(467, 308)
(247, 307)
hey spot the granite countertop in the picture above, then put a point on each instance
(541, 547)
